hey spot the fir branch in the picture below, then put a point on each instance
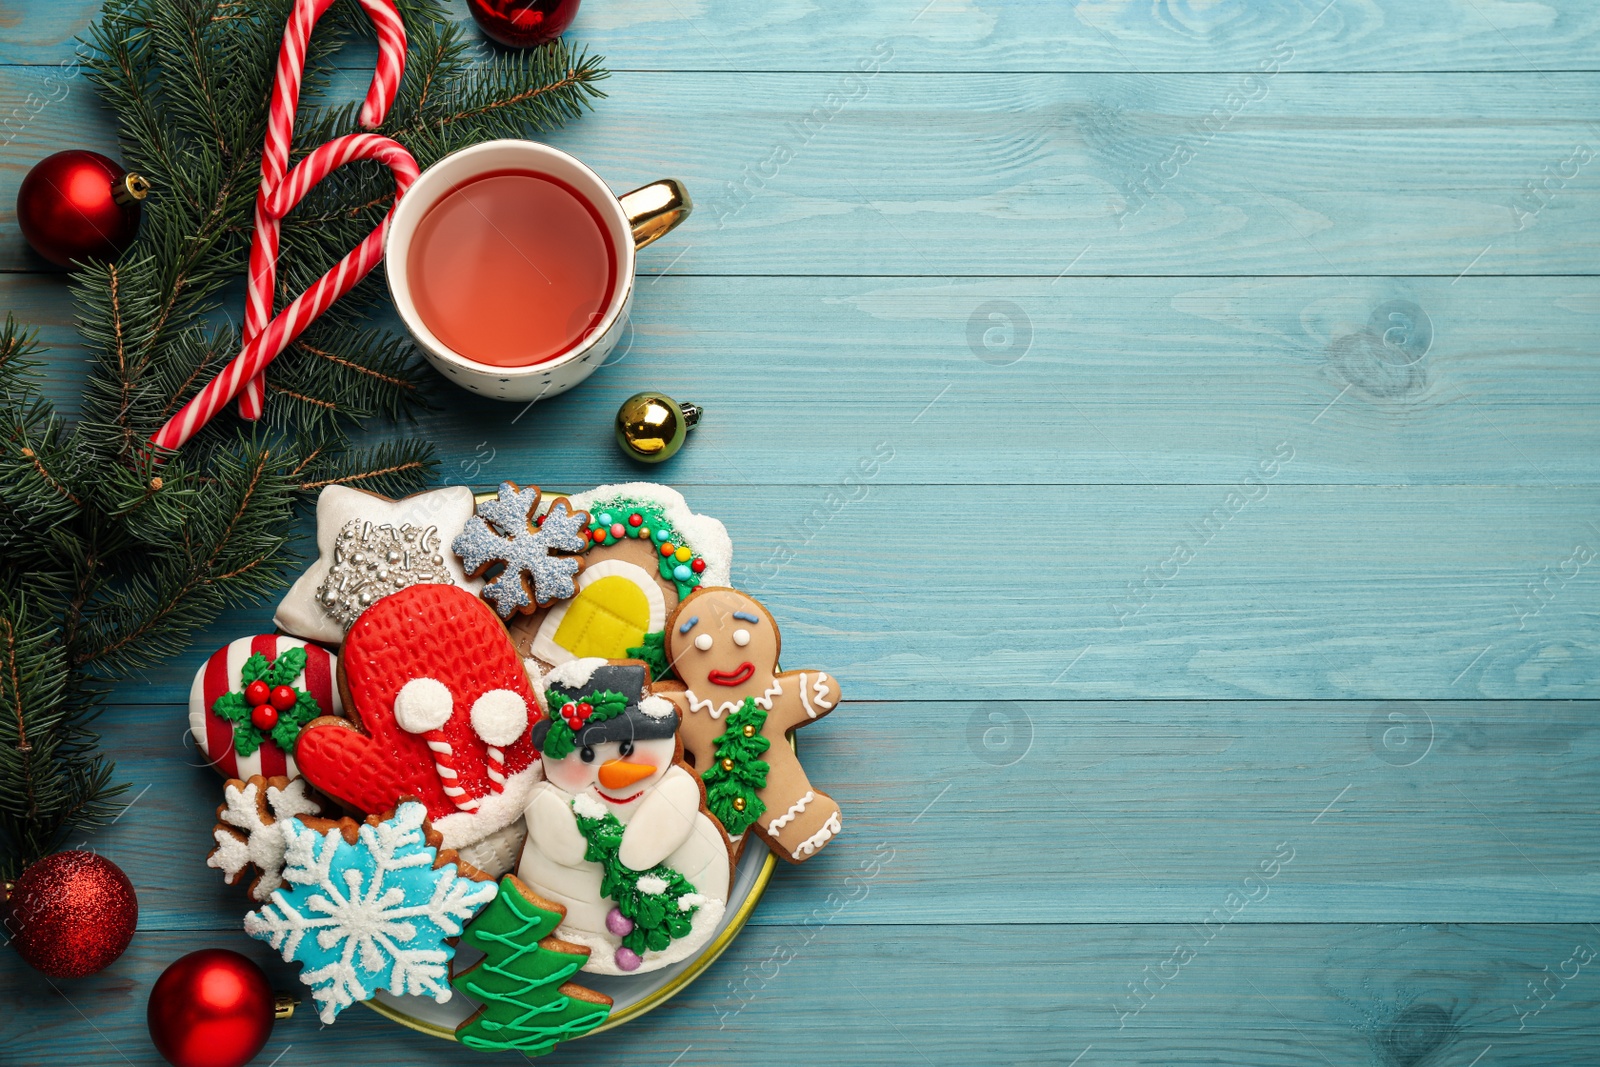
(125, 554)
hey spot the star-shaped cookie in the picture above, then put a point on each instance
(369, 546)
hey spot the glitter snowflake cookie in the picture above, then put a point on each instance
(508, 530)
(250, 829)
(369, 907)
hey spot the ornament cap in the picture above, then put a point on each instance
(130, 188)
(283, 1005)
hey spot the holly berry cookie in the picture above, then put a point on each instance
(737, 713)
(250, 701)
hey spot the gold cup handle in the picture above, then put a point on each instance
(655, 209)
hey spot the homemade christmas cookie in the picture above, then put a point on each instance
(737, 712)
(530, 548)
(251, 699)
(369, 546)
(369, 906)
(528, 1004)
(250, 830)
(618, 833)
(646, 552)
(440, 711)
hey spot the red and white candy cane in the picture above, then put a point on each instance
(265, 337)
(275, 156)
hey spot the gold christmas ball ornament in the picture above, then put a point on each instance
(651, 426)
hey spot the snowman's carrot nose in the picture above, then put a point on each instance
(619, 774)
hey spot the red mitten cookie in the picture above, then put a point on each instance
(441, 709)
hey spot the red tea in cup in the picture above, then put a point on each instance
(511, 268)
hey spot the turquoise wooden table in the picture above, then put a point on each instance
(1175, 422)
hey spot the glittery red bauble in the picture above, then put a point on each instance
(523, 23)
(71, 914)
(79, 205)
(211, 1008)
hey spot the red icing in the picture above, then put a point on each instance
(738, 676)
(434, 631)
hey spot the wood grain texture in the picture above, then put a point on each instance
(1303, 592)
(1097, 811)
(1101, 381)
(1021, 35)
(1018, 174)
(1255, 995)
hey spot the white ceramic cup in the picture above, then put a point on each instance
(631, 221)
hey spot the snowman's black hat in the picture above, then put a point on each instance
(634, 724)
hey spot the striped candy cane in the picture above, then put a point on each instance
(264, 336)
(444, 765)
(304, 309)
(275, 156)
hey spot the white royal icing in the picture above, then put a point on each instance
(789, 816)
(705, 535)
(447, 510)
(818, 839)
(728, 706)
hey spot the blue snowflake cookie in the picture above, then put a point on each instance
(371, 915)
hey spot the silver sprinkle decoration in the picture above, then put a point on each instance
(532, 575)
(370, 562)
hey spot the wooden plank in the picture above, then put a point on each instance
(956, 35)
(1135, 811)
(1081, 381)
(1284, 996)
(1304, 592)
(1304, 174)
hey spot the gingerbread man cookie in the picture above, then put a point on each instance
(737, 712)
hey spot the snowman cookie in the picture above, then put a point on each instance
(618, 832)
(737, 712)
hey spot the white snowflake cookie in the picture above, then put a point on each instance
(250, 829)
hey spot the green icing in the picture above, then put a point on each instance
(561, 739)
(519, 982)
(657, 917)
(275, 672)
(655, 519)
(654, 654)
(748, 774)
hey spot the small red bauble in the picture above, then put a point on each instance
(211, 1008)
(257, 692)
(283, 698)
(523, 23)
(263, 717)
(71, 914)
(79, 205)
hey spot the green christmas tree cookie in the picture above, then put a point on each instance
(528, 1004)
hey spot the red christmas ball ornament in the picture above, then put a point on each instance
(523, 23)
(213, 1008)
(70, 914)
(79, 205)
